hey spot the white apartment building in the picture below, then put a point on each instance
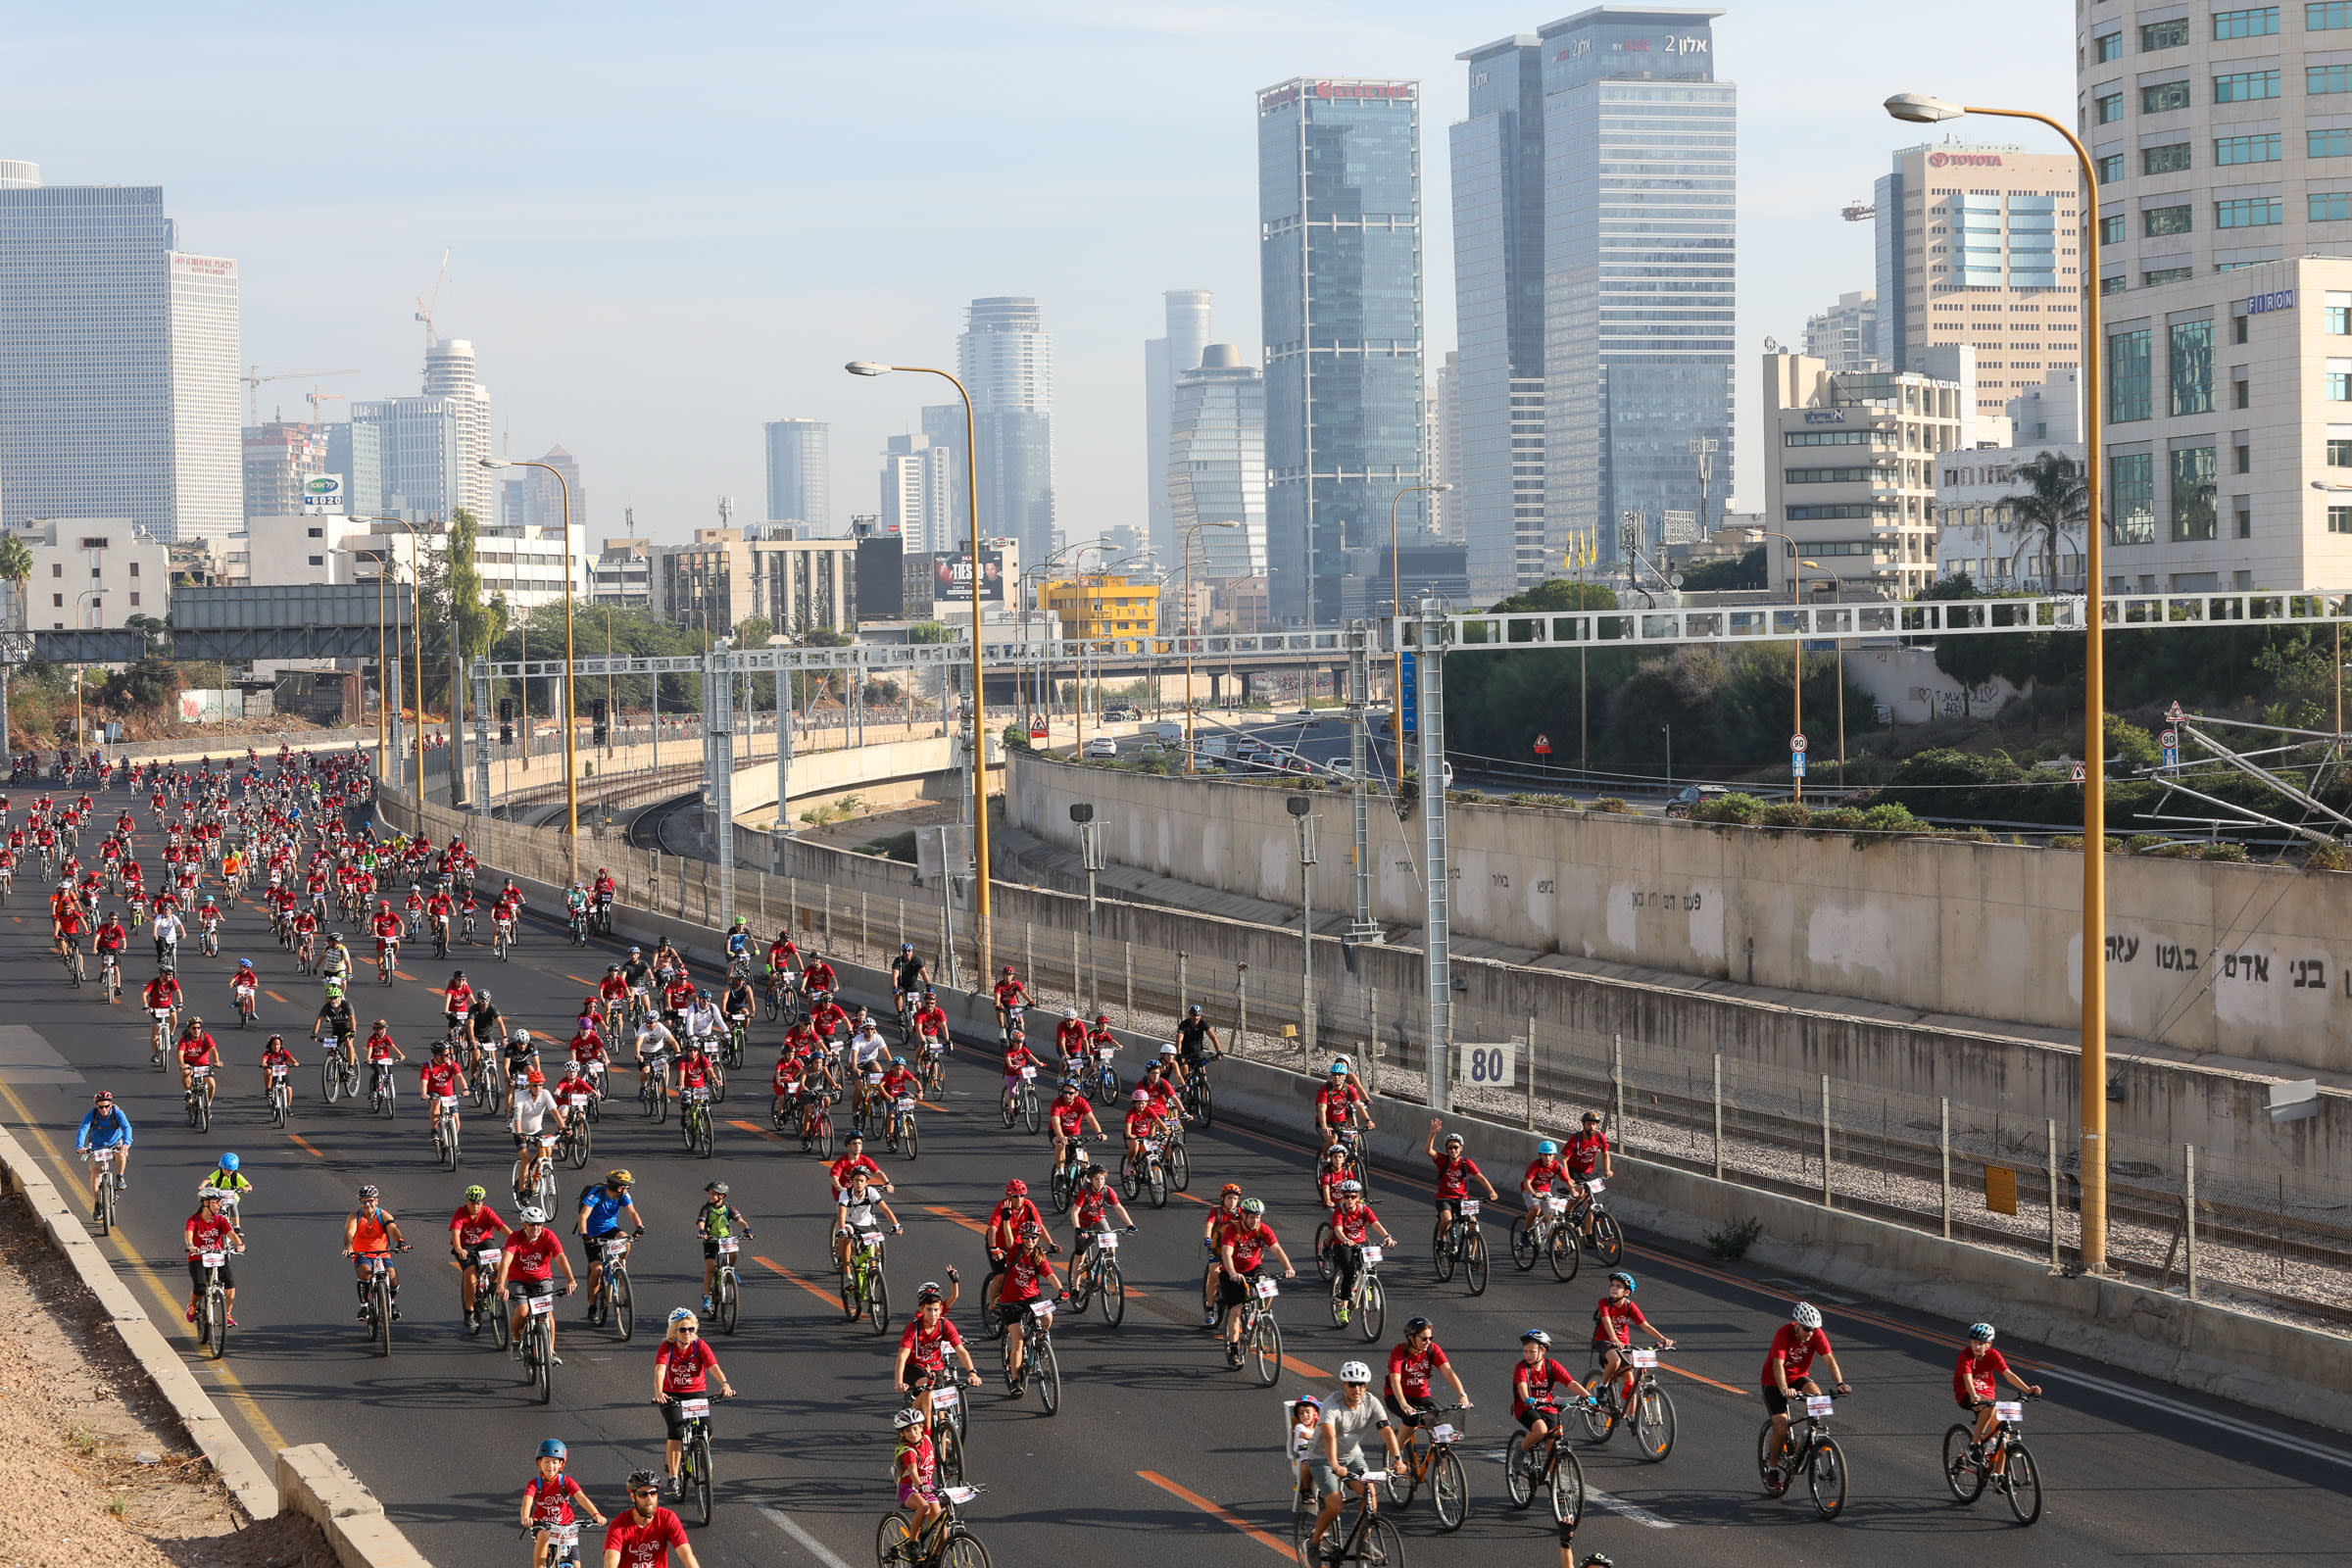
(919, 477)
(94, 572)
(1845, 336)
(1850, 480)
(621, 574)
(1975, 529)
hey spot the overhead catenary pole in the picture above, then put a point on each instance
(571, 773)
(1428, 719)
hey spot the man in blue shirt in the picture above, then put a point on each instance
(109, 1129)
(601, 1208)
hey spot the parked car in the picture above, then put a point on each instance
(1102, 746)
(1686, 798)
(1215, 744)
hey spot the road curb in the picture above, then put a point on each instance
(312, 1482)
(61, 1222)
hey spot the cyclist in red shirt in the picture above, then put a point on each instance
(1028, 1274)
(386, 926)
(682, 1370)
(1795, 1345)
(899, 1082)
(853, 1158)
(829, 1018)
(694, 1069)
(1455, 1172)
(198, 1048)
(1010, 993)
(547, 1500)
(274, 1058)
(646, 1534)
(1532, 1378)
(1092, 1204)
(211, 1229)
(612, 992)
(1003, 1233)
(473, 1227)
(440, 1079)
(1068, 1116)
(1587, 1155)
(1544, 1173)
(924, 1345)
(817, 980)
(1070, 1041)
(526, 1272)
(1242, 1248)
(1338, 1103)
(1353, 1224)
(1974, 1389)
(458, 999)
(1614, 1319)
(1331, 1174)
(1143, 1121)
(1410, 1365)
(1017, 1057)
(931, 1019)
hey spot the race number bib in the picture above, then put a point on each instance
(1819, 1405)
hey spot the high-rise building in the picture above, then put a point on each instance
(1640, 165)
(1217, 464)
(944, 427)
(917, 478)
(118, 363)
(1495, 464)
(1845, 336)
(1165, 359)
(533, 499)
(1005, 358)
(1978, 244)
(278, 456)
(356, 451)
(430, 447)
(1445, 446)
(1339, 274)
(800, 477)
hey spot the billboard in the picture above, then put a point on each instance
(952, 575)
(322, 492)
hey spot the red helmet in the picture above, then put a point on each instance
(383, 905)
(538, 1078)
(1017, 1188)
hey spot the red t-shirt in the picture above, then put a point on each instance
(1413, 1370)
(1354, 1228)
(1542, 1173)
(1453, 1174)
(438, 1078)
(1613, 1323)
(847, 1163)
(475, 1230)
(1069, 1115)
(1794, 1349)
(1010, 992)
(1583, 1152)
(1338, 1105)
(1004, 1221)
(533, 1259)
(551, 1500)
(1249, 1242)
(645, 1546)
(685, 1368)
(1972, 1378)
(1536, 1383)
(1090, 1210)
(1025, 1279)
(210, 1233)
(928, 1348)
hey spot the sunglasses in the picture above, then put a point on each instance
(645, 1492)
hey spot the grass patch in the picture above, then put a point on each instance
(1732, 1242)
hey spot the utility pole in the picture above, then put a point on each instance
(1359, 702)
(1428, 719)
(1303, 809)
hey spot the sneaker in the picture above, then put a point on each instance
(395, 1311)
(474, 1328)
(362, 1314)
(1774, 1479)
(707, 1308)
(1342, 1314)
(1233, 1352)
(232, 1321)
(191, 1312)
(551, 1356)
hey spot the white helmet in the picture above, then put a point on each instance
(533, 1216)
(1355, 1373)
(1806, 1316)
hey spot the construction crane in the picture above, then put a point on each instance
(425, 306)
(252, 379)
(315, 397)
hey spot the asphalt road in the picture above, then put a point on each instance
(1156, 1440)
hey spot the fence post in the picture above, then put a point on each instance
(1617, 1088)
(1127, 969)
(1372, 1036)
(1719, 1116)
(2049, 1128)
(1240, 1026)
(827, 928)
(1825, 1142)
(1029, 951)
(1943, 1139)
(2188, 1211)
(1182, 989)
(1530, 1072)
(902, 919)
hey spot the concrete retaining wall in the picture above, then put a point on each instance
(312, 1481)
(2243, 961)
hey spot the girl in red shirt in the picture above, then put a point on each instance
(547, 1499)
(682, 1369)
(1614, 1320)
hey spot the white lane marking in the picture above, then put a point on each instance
(809, 1542)
(1634, 1511)
(2191, 1412)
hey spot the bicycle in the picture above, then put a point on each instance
(1104, 1080)
(281, 1098)
(694, 1121)
(562, 1543)
(382, 1093)
(1435, 1463)
(1063, 1184)
(110, 978)
(158, 1038)
(1020, 1104)
(110, 1188)
(618, 1302)
(387, 960)
(1547, 1233)
(696, 1473)
(445, 1133)
(1039, 1364)
(1607, 1239)
(947, 1543)
(377, 1306)
(200, 1099)
(535, 1174)
(488, 1309)
(1150, 1173)
(943, 1407)
(1815, 1453)
(1561, 1474)
(654, 1093)
(1366, 1301)
(538, 1348)
(1372, 1536)
(339, 1071)
(502, 939)
(72, 958)
(726, 1288)
(1461, 1241)
(575, 928)
(242, 995)
(1096, 1276)
(899, 1129)
(1637, 1393)
(1200, 1098)
(211, 1305)
(573, 1145)
(817, 1130)
(1260, 1341)
(864, 1292)
(1968, 1472)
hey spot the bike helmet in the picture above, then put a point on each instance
(1535, 1337)
(1354, 1374)
(538, 1078)
(1592, 1119)
(739, 925)
(909, 1417)
(1806, 1316)
(681, 1314)
(1620, 1277)
(1338, 1069)
(553, 1448)
(618, 1177)
(1032, 1231)
(210, 1194)
(244, 963)
(440, 1049)
(1306, 1401)
(1547, 1148)
(229, 1162)
(1102, 1018)
(644, 1481)
(1140, 1098)
(532, 1216)
(1415, 1325)
(1069, 1015)
(1017, 1188)
(1339, 1149)
(1008, 969)
(1229, 1190)
(475, 1195)
(1253, 1206)
(1193, 1011)
(1981, 1333)
(369, 1193)
(1069, 1086)
(927, 1293)
(1351, 1186)
(901, 1062)
(614, 968)
(1168, 1050)
(904, 947)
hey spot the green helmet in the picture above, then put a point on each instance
(1253, 1206)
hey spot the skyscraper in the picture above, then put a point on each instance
(1340, 274)
(917, 476)
(944, 427)
(1165, 360)
(1217, 470)
(1845, 336)
(430, 447)
(533, 499)
(118, 363)
(800, 475)
(1978, 244)
(1005, 358)
(278, 456)
(1638, 235)
(1496, 464)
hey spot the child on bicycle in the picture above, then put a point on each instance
(1614, 1320)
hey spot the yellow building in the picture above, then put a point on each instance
(1103, 607)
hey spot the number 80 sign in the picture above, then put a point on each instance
(1485, 1064)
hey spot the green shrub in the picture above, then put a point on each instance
(2236, 854)
(2328, 857)
(1838, 820)
(1890, 818)
(1467, 797)
(2141, 842)
(1613, 806)
(1788, 813)
(1732, 1242)
(1739, 809)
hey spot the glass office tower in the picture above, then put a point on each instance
(800, 471)
(1340, 271)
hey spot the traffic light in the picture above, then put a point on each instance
(506, 721)
(601, 715)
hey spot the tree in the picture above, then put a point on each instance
(1560, 593)
(1727, 575)
(2056, 498)
(753, 631)
(929, 631)
(16, 568)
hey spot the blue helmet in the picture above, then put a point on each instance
(553, 1448)
(1339, 1069)
(228, 1162)
(1547, 1148)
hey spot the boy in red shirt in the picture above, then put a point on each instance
(1795, 1345)
(1019, 1065)
(1614, 1320)
(1456, 1170)
(547, 1500)
(1974, 1389)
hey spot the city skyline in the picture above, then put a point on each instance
(766, 279)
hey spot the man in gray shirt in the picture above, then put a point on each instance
(1341, 1451)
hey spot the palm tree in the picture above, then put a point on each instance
(16, 568)
(2056, 499)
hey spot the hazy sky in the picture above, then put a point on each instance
(667, 225)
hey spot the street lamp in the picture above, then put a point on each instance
(1301, 810)
(571, 777)
(1923, 108)
(1190, 534)
(1836, 591)
(971, 480)
(1397, 619)
(383, 566)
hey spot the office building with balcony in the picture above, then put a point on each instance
(1852, 481)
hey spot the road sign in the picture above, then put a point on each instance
(1037, 730)
(1486, 1064)
(1796, 765)
(2169, 740)
(1543, 746)
(2172, 715)
(2076, 774)
(1796, 742)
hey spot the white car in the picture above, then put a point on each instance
(1102, 746)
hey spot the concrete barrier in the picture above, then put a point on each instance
(313, 1482)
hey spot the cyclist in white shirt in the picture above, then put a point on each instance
(702, 1020)
(168, 929)
(869, 1058)
(533, 1108)
(855, 1211)
(653, 1039)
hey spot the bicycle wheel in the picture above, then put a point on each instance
(1115, 1295)
(1965, 1476)
(950, 1449)
(1567, 1485)
(214, 1319)
(893, 1541)
(1653, 1424)
(1181, 1168)
(1159, 1178)
(382, 1302)
(1566, 1257)
(543, 1350)
(1608, 1242)
(661, 1104)
(1045, 1370)
(821, 1145)
(718, 1085)
(1474, 1263)
(1058, 1190)
(1765, 1455)
(1010, 1109)
(1405, 1479)
(963, 1552)
(699, 1456)
(204, 1114)
(1519, 1475)
(1209, 1104)
(622, 1303)
(1033, 1115)
(1448, 1490)
(331, 1082)
(908, 1139)
(1825, 1478)
(1599, 1419)
(2022, 1483)
(500, 1329)
(1265, 1350)
(1324, 1250)
(1524, 1244)
(730, 1300)
(1441, 1254)
(1382, 1543)
(877, 1301)
(1373, 1316)
(107, 1190)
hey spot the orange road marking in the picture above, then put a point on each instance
(754, 1128)
(1304, 1369)
(1221, 1515)
(819, 1293)
(1697, 1377)
(974, 1226)
(306, 1143)
(275, 997)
